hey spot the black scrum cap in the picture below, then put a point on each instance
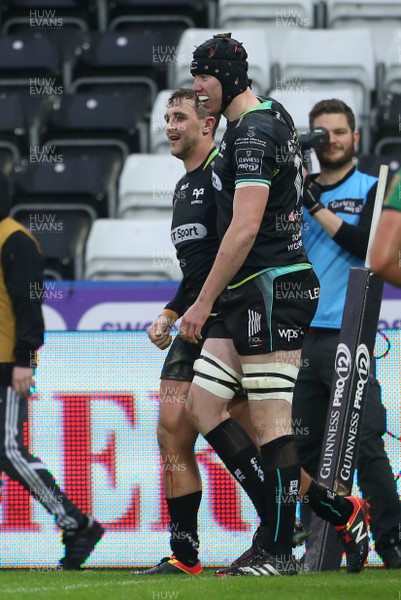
(223, 58)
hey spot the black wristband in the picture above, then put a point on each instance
(315, 208)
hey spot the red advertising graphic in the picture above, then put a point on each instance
(92, 421)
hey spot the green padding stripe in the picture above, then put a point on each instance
(211, 157)
(266, 105)
(276, 272)
(280, 488)
(248, 180)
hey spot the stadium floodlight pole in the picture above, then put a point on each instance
(348, 391)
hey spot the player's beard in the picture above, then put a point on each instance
(187, 146)
(332, 164)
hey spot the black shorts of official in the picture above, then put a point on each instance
(269, 312)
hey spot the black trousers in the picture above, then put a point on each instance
(17, 462)
(310, 406)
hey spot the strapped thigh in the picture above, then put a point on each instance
(269, 381)
(213, 375)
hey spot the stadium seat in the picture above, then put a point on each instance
(335, 58)
(68, 39)
(123, 249)
(299, 102)
(195, 13)
(108, 118)
(117, 58)
(147, 184)
(14, 123)
(388, 126)
(71, 177)
(277, 17)
(49, 21)
(31, 60)
(270, 13)
(167, 28)
(255, 42)
(392, 65)
(19, 114)
(51, 14)
(370, 164)
(159, 143)
(53, 271)
(61, 231)
(166, 31)
(170, 28)
(9, 157)
(381, 17)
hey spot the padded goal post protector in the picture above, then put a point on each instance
(347, 401)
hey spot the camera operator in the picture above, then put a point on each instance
(339, 205)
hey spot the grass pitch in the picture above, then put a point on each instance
(372, 584)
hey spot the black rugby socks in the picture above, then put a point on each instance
(184, 541)
(328, 505)
(282, 480)
(241, 457)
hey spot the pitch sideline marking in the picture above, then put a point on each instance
(68, 587)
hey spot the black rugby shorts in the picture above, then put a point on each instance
(269, 312)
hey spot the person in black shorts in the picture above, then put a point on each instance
(268, 296)
(21, 335)
(190, 130)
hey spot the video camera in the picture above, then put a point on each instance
(317, 138)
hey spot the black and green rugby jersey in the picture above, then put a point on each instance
(193, 231)
(261, 148)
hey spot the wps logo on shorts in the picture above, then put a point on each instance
(290, 334)
(254, 322)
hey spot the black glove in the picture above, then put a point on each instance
(311, 196)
